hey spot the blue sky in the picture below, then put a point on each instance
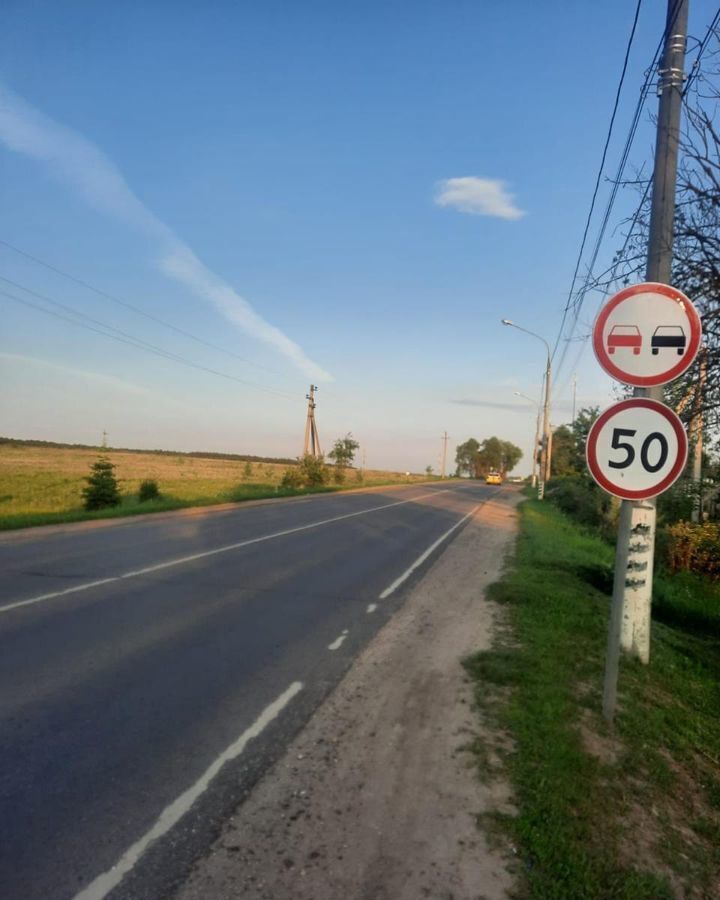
(266, 177)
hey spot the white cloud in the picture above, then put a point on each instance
(105, 381)
(478, 196)
(85, 167)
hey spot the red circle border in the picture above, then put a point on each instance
(651, 380)
(602, 419)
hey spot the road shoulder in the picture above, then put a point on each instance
(379, 796)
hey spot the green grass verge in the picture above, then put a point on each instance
(630, 814)
(131, 506)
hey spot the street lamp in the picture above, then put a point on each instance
(547, 438)
(538, 406)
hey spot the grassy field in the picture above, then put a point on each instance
(631, 812)
(42, 485)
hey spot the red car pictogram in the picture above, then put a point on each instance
(624, 336)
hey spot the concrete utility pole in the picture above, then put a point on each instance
(312, 439)
(444, 452)
(546, 455)
(536, 442)
(632, 590)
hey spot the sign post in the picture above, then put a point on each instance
(645, 336)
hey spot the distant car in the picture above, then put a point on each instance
(668, 336)
(624, 336)
(493, 478)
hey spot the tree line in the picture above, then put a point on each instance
(475, 460)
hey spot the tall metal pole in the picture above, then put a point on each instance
(574, 385)
(632, 591)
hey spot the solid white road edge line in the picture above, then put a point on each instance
(205, 553)
(172, 814)
(337, 643)
(421, 559)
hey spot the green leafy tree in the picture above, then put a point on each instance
(493, 455)
(580, 430)
(496, 455)
(343, 454)
(465, 457)
(102, 488)
(428, 470)
(564, 452)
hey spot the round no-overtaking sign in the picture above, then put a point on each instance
(647, 334)
(636, 449)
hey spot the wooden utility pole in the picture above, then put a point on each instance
(632, 589)
(312, 439)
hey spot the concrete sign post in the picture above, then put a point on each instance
(645, 336)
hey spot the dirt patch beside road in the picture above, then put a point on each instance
(377, 797)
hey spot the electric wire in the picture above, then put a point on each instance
(695, 68)
(136, 309)
(591, 281)
(601, 168)
(125, 338)
(576, 298)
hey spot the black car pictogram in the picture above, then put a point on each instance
(666, 336)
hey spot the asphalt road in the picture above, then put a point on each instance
(151, 671)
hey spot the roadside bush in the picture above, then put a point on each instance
(338, 474)
(693, 548)
(292, 478)
(102, 488)
(149, 490)
(313, 470)
(359, 477)
(582, 500)
(247, 469)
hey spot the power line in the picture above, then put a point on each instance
(600, 170)
(695, 68)
(129, 340)
(590, 283)
(136, 309)
(576, 302)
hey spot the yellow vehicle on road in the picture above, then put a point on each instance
(493, 478)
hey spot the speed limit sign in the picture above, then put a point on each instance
(636, 449)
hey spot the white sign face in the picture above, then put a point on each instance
(647, 335)
(636, 449)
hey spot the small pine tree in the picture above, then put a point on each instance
(102, 489)
(247, 469)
